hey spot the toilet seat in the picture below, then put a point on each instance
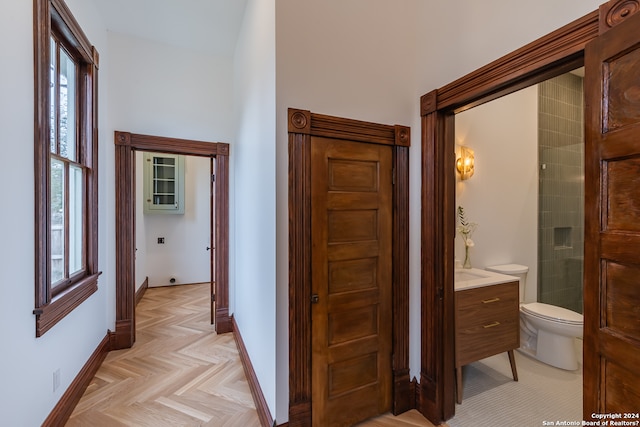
(553, 313)
(512, 269)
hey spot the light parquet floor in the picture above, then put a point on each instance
(179, 372)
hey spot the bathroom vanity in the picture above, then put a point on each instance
(487, 318)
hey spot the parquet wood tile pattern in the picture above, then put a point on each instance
(180, 373)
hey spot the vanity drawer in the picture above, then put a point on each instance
(484, 340)
(480, 306)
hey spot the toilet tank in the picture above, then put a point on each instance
(517, 270)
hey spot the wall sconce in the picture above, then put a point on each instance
(465, 164)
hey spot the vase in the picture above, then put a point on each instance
(467, 257)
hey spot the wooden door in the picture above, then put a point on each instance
(351, 270)
(612, 243)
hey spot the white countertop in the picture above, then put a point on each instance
(469, 278)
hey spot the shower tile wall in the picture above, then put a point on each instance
(561, 191)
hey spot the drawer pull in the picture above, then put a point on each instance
(487, 301)
(491, 325)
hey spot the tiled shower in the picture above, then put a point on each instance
(561, 191)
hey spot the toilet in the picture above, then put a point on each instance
(547, 332)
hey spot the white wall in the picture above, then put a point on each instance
(502, 195)
(28, 363)
(157, 89)
(254, 298)
(183, 256)
(459, 37)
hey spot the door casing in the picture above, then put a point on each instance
(551, 55)
(302, 125)
(126, 144)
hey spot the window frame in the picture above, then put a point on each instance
(52, 18)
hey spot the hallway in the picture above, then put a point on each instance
(179, 372)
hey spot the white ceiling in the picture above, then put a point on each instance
(210, 26)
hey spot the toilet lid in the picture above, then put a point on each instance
(552, 312)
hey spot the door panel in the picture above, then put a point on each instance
(351, 232)
(612, 198)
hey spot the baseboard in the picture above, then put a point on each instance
(143, 288)
(67, 403)
(415, 393)
(123, 336)
(258, 398)
(224, 322)
(402, 397)
(170, 285)
(426, 396)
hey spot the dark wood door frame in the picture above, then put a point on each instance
(551, 55)
(302, 126)
(126, 144)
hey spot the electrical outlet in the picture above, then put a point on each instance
(56, 379)
(161, 240)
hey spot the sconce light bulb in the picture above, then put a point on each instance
(465, 164)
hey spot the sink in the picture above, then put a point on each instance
(461, 275)
(464, 278)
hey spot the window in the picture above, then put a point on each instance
(66, 70)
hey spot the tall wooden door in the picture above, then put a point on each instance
(351, 270)
(612, 243)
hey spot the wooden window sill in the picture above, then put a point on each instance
(50, 314)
